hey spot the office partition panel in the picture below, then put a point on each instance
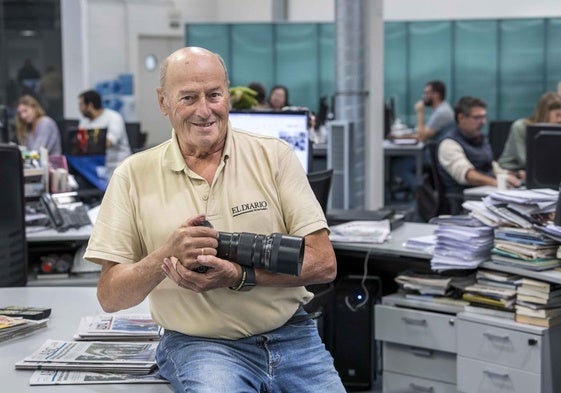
(396, 67)
(252, 54)
(521, 67)
(475, 60)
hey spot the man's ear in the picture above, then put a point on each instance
(162, 101)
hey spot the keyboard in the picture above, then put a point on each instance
(74, 217)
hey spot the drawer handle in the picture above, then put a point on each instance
(427, 353)
(418, 388)
(414, 321)
(492, 374)
(491, 336)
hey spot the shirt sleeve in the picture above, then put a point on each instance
(454, 161)
(439, 120)
(47, 136)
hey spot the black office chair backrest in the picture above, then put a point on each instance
(136, 138)
(498, 134)
(321, 185)
(13, 246)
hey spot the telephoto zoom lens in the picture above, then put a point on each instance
(276, 253)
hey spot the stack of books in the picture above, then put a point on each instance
(16, 321)
(524, 248)
(492, 294)
(433, 288)
(538, 303)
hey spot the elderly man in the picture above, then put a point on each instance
(228, 328)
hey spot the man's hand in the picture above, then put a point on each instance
(221, 273)
(419, 106)
(191, 240)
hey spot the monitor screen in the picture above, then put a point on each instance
(85, 142)
(290, 126)
(543, 156)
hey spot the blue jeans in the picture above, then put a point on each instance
(291, 358)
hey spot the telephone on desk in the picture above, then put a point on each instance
(64, 211)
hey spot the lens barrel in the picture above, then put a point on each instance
(277, 253)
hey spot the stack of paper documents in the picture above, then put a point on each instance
(538, 303)
(459, 247)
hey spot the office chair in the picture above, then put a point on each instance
(324, 294)
(321, 186)
(137, 139)
(432, 198)
(498, 134)
(13, 245)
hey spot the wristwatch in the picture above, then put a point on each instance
(248, 280)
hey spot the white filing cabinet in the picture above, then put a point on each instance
(418, 349)
(496, 355)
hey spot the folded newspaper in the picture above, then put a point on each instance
(127, 357)
(119, 327)
(361, 231)
(58, 377)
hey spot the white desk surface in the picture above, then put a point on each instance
(68, 305)
(51, 234)
(394, 246)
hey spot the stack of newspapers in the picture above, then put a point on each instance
(118, 348)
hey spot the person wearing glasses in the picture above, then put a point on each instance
(465, 156)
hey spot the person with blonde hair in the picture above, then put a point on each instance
(513, 158)
(34, 129)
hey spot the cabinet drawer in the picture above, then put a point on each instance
(479, 376)
(420, 362)
(499, 345)
(395, 382)
(423, 329)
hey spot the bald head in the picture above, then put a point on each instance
(187, 55)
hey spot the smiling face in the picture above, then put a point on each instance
(196, 100)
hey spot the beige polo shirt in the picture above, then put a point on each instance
(260, 187)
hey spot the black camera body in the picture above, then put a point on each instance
(277, 253)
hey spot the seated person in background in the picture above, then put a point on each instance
(34, 129)
(96, 116)
(465, 155)
(513, 158)
(441, 119)
(218, 337)
(278, 98)
(440, 122)
(261, 96)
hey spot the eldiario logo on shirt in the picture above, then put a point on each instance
(249, 208)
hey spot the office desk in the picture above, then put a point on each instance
(394, 246)
(68, 305)
(394, 150)
(51, 235)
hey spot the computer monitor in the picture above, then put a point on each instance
(86, 141)
(290, 126)
(389, 116)
(543, 156)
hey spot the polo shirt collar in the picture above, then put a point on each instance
(173, 159)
